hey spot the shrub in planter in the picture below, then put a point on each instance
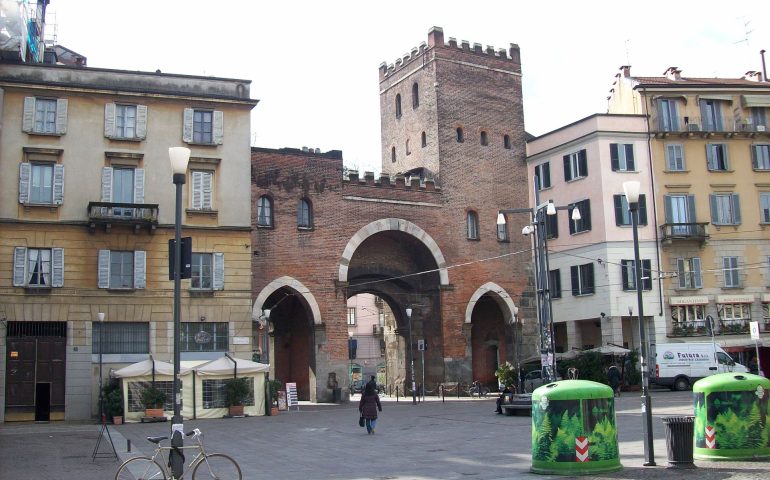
(153, 400)
(506, 374)
(113, 403)
(275, 385)
(237, 390)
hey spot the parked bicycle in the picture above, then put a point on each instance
(203, 466)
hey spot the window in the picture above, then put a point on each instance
(123, 185)
(121, 337)
(304, 214)
(202, 182)
(415, 95)
(543, 176)
(202, 272)
(507, 142)
(623, 214)
(716, 157)
(408, 151)
(759, 118)
(122, 269)
(674, 157)
(575, 165)
(730, 271)
(628, 272)
(460, 137)
(47, 116)
(502, 232)
(582, 279)
(264, 211)
(393, 154)
(203, 126)
(622, 157)
(554, 283)
(484, 139)
(680, 214)
(38, 267)
(135, 389)
(734, 313)
(711, 115)
(472, 225)
(552, 226)
(398, 105)
(668, 120)
(725, 209)
(584, 224)
(764, 207)
(214, 393)
(41, 183)
(688, 315)
(125, 122)
(204, 337)
(760, 157)
(351, 315)
(424, 140)
(689, 272)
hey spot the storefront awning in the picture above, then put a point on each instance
(755, 100)
(724, 98)
(691, 300)
(735, 298)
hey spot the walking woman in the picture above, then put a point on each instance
(368, 406)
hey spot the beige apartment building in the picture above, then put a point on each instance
(86, 214)
(710, 161)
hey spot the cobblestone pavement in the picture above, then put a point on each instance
(432, 440)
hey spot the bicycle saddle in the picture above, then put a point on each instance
(156, 439)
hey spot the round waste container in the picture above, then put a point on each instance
(679, 435)
(573, 429)
(731, 417)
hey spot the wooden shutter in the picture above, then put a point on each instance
(642, 209)
(218, 282)
(736, 209)
(668, 208)
(197, 190)
(106, 184)
(618, 201)
(138, 185)
(61, 116)
(28, 118)
(586, 217)
(571, 222)
(552, 225)
(19, 266)
(58, 184)
(713, 205)
(104, 269)
(697, 280)
(141, 121)
(711, 156)
(218, 127)
(57, 267)
(545, 170)
(681, 273)
(575, 277)
(109, 120)
(630, 166)
(567, 169)
(691, 208)
(206, 190)
(187, 128)
(625, 267)
(140, 262)
(614, 160)
(589, 280)
(647, 272)
(582, 163)
(25, 174)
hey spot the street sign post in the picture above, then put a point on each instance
(754, 328)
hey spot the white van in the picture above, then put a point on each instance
(679, 365)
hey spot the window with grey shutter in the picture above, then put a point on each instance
(696, 273)
(58, 184)
(138, 185)
(57, 267)
(141, 121)
(61, 116)
(104, 269)
(730, 271)
(218, 131)
(109, 120)
(674, 157)
(764, 207)
(187, 128)
(219, 271)
(19, 266)
(140, 263)
(760, 157)
(197, 190)
(25, 173)
(28, 117)
(106, 184)
(716, 157)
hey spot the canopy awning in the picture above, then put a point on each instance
(711, 96)
(224, 366)
(611, 350)
(755, 100)
(145, 367)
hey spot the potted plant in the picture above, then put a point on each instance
(275, 386)
(113, 403)
(153, 400)
(237, 390)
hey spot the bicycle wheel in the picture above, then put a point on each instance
(140, 468)
(217, 466)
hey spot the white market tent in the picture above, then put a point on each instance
(139, 376)
(208, 380)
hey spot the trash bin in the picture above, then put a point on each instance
(573, 429)
(336, 395)
(679, 440)
(731, 417)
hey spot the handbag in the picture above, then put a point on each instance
(361, 421)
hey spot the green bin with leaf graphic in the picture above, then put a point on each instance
(573, 429)
(731, 417)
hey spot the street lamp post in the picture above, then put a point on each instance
(100, 316)
(179, 157)
(539, 229)
(411, 356)
(631, 190)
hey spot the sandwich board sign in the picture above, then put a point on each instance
(291, 395)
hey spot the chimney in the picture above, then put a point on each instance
(673, 73)
(436, 37)
(626, 70)
(753, 76)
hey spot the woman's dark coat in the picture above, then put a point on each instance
(368, 405)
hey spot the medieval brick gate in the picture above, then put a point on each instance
(423, 235)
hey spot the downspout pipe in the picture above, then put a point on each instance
(235, 365)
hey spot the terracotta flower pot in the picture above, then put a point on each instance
(235, 410)
(273, 410)
(117, 419)
(153, 412)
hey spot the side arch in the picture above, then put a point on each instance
(502, 298)
(294, 284)
(400, 225)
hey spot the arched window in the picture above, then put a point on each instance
(304, 214)
(473, 225)
(502, 233)
(415, 95)
(424, 140)
(398, 105)
(393, 154)
(408, 152)
(507, 142)
(265, 211)
(460, 137)
(484, 139)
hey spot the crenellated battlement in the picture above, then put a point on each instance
(391, 182)
(436, 40)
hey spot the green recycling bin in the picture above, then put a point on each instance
(573, 429)
(731, 417)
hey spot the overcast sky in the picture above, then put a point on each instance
(314, 64)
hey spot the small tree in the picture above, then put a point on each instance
(506, 374)
(237, 390)
(275, 385)
(113, 401)
(153, 397)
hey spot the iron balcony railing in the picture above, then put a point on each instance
(698, 125)
(684, 231)
(107, 214)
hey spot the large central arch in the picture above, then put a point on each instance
(396, 224)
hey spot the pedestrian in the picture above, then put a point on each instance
(613, 377)
(373, 382)
(506, 391)
(369, 405)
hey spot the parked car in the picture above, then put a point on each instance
(534, 379)
(679, 365)
(358, 387)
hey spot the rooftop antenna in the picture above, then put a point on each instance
(746, 31)
(628, 51)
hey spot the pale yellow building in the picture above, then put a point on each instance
(86, 214)
(710, 164)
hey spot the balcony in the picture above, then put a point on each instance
(136, 215)
(697, 127)
(684, 232)
(694, 328)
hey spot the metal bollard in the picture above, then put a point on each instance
(442, 394)
(128, 445)
(396, 393)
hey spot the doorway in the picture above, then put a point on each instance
(42, 402)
